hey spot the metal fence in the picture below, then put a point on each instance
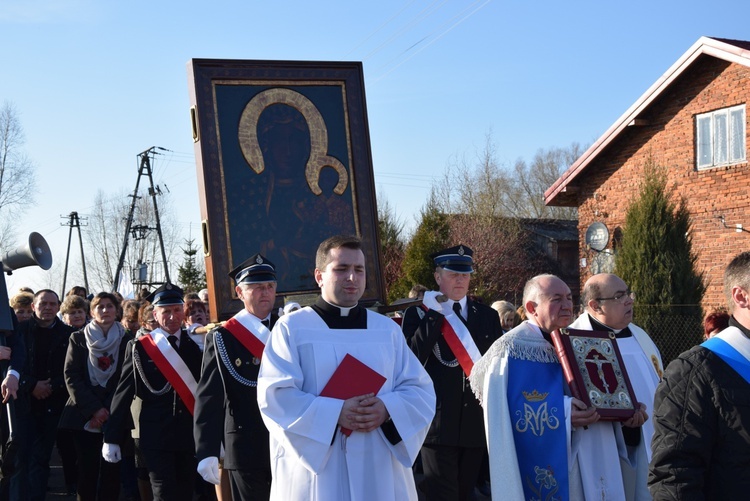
(674, 328)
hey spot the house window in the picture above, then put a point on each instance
(721, 137)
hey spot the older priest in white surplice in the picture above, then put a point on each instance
(615, 463)
(527, 414)
(311, 458)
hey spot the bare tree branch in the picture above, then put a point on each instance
(17, 181)
(105, 235)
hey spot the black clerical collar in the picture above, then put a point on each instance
(341, 311)
(734, 323)
(547, 336)
(598, 326)
(331, 314)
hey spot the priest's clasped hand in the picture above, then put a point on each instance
(363, 413)
(580, 416)
(640, 417)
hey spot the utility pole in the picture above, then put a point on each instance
(138, 232)
(74, 222)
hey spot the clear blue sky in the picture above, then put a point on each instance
(96, 82)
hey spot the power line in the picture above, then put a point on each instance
(438, 37)
(379, 28)
(421, 16)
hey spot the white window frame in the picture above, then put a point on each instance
(715, 151)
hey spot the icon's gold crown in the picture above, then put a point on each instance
(534, 396)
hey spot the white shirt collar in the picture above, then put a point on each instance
(462, 302)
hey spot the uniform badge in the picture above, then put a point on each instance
(238, 362)
(256, 361)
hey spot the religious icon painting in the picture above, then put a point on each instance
(595, 372)
(284, 162)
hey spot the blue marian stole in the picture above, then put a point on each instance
(537, 414)
(730, 355)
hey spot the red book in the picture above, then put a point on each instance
(595, 372)
(350, 379)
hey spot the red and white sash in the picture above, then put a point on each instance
(171, 365)
(250, 331)
(460, 341)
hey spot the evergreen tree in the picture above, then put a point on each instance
(392, 245)
(432, 235)
(657, 261)
(190, 277)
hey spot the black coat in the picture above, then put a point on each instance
(85, 398)
(59, 334)
(701, 444)
(458, 416)
(226, 406)
(165, 423)
(16, 344)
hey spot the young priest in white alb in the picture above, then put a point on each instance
(311, 457)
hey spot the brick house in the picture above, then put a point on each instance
(693, 120)
(556, 240)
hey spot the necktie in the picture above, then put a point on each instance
(457, 309)
(266, 322)
(172, 340)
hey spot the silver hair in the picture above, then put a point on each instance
(532, 289)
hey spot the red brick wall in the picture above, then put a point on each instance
(612, 180)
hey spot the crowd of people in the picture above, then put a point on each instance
(145, 399)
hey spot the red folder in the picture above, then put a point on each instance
(350, 379)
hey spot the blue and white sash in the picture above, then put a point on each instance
(537, 412)
(732, 347)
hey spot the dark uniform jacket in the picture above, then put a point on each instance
(56, 339)
(85, 398)
(701, 444)
(226, 406)
(165, 422)
(458, 416)
(15, 343)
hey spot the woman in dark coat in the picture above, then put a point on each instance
(92, 370)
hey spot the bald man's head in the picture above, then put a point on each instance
(607, 299)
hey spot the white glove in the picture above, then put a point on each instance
(431, 300)
(111, 453)
(209, 470)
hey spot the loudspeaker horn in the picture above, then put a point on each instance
(35, 252)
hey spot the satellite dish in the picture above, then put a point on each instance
(597, 236)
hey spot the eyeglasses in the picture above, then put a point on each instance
(620, 297)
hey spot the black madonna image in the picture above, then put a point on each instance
(284, 162)
(300, 193)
